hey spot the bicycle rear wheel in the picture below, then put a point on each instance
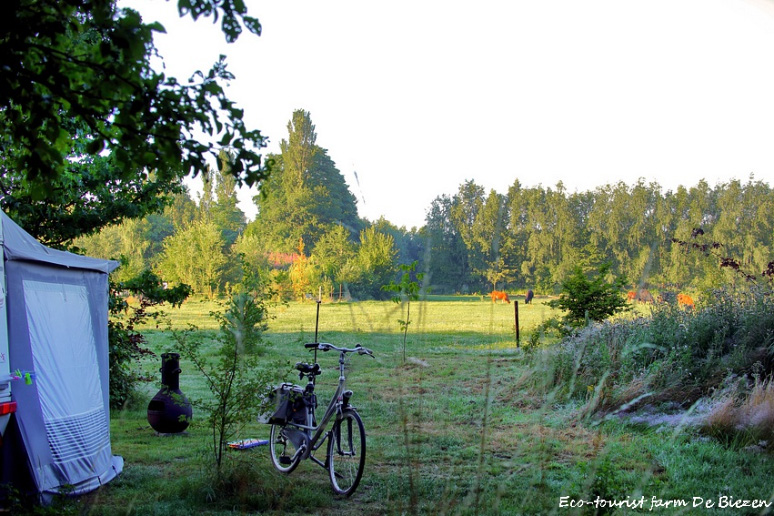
(283, 449)
(347, 453)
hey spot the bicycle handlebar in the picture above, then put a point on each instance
(325, 346)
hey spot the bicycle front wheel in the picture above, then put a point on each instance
(283, 449)
(347, 453)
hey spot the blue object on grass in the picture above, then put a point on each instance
(247, 443)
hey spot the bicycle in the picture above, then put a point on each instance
(296, 435)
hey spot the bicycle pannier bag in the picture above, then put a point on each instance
(289, 405)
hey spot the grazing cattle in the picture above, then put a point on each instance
(528, 297)
(685, 300)
(631, 295)
(502, 296)
(643, 296)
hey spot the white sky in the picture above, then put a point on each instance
(419, 96)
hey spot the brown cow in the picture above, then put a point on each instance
(631, 295)
(685, 300)
(502, 296)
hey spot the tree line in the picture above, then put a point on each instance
(307, 237)
(534, 237)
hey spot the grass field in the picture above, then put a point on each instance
(452, 431)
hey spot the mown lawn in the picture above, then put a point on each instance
(451, 431)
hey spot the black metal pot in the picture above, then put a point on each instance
(169, 411)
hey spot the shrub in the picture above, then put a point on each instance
(236, 380)
(405, 292)
(590, 298)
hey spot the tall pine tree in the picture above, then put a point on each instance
(306, 194)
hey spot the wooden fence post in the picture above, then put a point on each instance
(516, 310)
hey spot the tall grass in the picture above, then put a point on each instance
(743, 416)
(674, 355)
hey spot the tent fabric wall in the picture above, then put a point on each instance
(57, 328)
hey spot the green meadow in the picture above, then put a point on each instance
(453, 430)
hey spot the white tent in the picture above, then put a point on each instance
(57, 312)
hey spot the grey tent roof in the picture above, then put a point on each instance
(20, 245)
